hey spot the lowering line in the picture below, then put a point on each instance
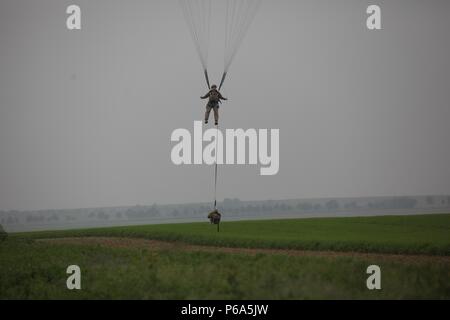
(216, 170)
(217, 137)
(215, 178)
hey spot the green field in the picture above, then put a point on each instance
(35, 269)
(425, 234)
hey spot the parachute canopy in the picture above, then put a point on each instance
(198, 17)
(239, 15)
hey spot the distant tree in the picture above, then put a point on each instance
(101, 215)
(429, 200)
(154, 210)
(305, 206)
(53, 217)
(3, 234)
(351, 205)
(332, 205)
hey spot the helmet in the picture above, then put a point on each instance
(213, 86)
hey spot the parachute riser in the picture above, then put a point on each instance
(207, 79)
(224, 76)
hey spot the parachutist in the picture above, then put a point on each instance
(215, 97)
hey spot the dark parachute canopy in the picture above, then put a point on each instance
(239, 17)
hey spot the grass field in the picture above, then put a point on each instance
(425, 234)
(36, 269)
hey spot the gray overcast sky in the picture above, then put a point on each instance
(86, 117)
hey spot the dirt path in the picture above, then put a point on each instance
(157, 245)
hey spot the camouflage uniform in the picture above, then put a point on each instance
(214, 97)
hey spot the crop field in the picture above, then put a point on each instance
(324, 258)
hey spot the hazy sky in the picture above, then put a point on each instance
(86, 116)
